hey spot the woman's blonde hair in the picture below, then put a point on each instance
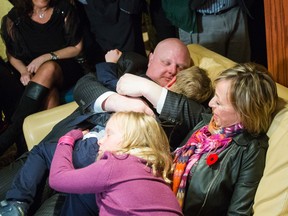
(253, 94)
(143, 137)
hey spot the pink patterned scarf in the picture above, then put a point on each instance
(208, 139)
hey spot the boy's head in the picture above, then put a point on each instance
(194, 83)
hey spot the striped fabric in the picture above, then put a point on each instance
(214, 6)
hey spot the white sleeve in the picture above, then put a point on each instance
(161, 100)
(99, 101)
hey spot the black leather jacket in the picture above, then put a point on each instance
(227, 187)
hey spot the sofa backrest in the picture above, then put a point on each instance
(272, 193)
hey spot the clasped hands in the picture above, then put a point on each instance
(31, 69)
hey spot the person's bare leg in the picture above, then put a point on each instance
(50, 76)
(52, 99)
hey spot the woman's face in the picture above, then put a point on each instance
(223, 112)
(112, 139)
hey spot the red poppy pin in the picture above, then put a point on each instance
(211, 159)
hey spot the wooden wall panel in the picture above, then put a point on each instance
(276, 22)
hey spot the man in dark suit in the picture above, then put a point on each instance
(112, 24)
(177, 115)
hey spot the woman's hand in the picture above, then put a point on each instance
(25, 78)
(37, 62)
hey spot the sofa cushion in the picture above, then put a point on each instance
(36, 126)
(272, 193)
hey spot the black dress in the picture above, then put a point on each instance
(32, 39)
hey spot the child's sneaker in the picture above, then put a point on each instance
(13, 208)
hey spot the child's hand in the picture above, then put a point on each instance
(113, 56)
(84, 132)
(75, 134)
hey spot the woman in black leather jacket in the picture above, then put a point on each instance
(218, 168)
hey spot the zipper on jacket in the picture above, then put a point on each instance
(211, 184)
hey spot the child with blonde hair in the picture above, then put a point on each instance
(192, 82)
(131, 175)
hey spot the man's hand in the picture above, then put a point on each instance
(135, 86)
(132, 85)
(119, 103)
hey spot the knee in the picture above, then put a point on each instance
(49, 69)
(48, 73)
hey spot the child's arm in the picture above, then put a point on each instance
(113, 56)
(64, 177)
(107, 71)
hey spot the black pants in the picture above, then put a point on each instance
(11, 89)
(164, 28)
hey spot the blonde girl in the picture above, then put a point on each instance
(131, 175)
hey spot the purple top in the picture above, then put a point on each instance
(123, 184)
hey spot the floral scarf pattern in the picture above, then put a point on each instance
(207, 139)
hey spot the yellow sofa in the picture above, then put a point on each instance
(272, 195)
(5, 7)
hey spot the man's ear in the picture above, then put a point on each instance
(151, 56)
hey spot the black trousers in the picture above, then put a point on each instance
(11, 89)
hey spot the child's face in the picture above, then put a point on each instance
(112, 138)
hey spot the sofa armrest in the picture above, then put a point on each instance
(38, 125)
(272, 193)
